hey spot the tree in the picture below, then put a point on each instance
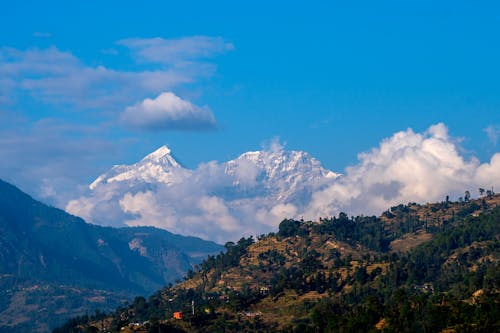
(481, 191)
(140, 307)
(288, 228)
(467, 196)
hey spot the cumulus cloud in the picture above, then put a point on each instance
(407, 167)
(146, 207)
(280, 211)
(246, 173)
(168, 112)
(196, 214)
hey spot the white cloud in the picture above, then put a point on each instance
(407, 167)
(59, 77)
(246, 173)
(493, 132)
(146, 206)
(215, 209)
(223, 202)
(168, 112)
(83, 207)
(488, 174)
(176, 51)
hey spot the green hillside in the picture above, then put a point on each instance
(417, 268)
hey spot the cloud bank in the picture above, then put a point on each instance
(224, 201)
(407, 167)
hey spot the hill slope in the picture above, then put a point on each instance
(417, 268)
(54, 265)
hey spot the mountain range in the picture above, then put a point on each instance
(217, 201)
(54, 265)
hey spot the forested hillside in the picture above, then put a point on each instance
(54, 266)
(416, 268)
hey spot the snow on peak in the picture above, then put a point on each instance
(266, 185)
(282, 161)
(161, 152)
(280, 173)
(158, 166)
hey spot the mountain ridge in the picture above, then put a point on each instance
(275, 182)
(154, 166)
(45, 248)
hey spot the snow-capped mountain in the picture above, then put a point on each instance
(159, 166)
(281, 173)
(220, 201)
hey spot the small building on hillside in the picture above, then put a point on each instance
(178, 315)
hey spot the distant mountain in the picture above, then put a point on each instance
(416, 268)
(157, 167)
(285, 176)
(213, 201)
(52, 262)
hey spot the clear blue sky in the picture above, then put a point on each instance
(331, 78)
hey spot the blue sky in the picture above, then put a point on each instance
(330, 78)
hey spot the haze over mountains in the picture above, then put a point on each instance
(251, 194)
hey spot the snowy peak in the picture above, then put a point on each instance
(284, 176)
(157, 167)
(277, 170)
(281, 162)
(161, 156)
(254, 191)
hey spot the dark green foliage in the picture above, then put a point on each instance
(73, 325)
(230, 258)
(365, 230)
(164, 328)
(289, 228)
